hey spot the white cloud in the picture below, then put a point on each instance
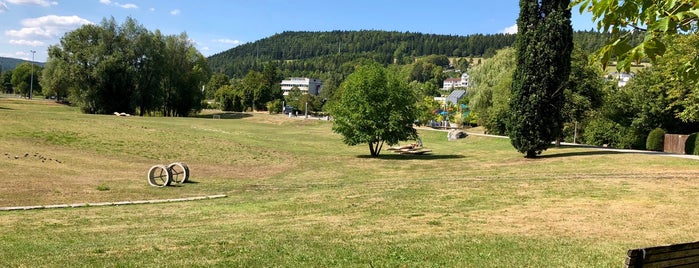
(3, 7)
(42, 3)
(152, 9)
(28, 32)
(227, 41)
(175, 12)
(31, 43)
(55, 21)
(51, 26)
(126, 6)
(510, 30)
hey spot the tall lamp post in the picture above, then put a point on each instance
(31, 80)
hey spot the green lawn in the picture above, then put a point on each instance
(298, 197)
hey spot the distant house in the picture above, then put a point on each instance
(452, 83)
(306, 85)
(621, 78)
(624, 78)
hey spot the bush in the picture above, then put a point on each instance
(690, 147)
(275, 106)
(602, 131)
(656, 140)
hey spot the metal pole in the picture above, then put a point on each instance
(31, 80)
(306, 116)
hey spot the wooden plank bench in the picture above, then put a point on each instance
(677, 255)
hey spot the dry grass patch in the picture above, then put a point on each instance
(633, 211)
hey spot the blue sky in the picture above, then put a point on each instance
(218, 25)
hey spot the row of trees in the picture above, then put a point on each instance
(126, 68)
(255, 91)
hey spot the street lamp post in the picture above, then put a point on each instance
(31, 80)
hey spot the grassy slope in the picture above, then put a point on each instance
(298, 197)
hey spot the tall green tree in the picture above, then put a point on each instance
(147, 69)
(25, 78)
(294, 98)
(491, 91)
(79, 51)
(185, 73)
(55, 79)
(271, 87)
(375, 107)
(544, 44)
(216, 81)
(584, 95)
(252, 88)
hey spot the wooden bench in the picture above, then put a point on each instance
(677, 255)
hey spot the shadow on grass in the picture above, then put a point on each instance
(3, 108)
(412, 157)
(588, 153)
(223, 115)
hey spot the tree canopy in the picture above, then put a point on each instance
(126, 68)
(655, 19)
(490, 93)
(25, 79)
(374, 106)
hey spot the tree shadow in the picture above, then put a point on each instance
(223, 115)
(585, 153)
(4, 108)
(412, 156)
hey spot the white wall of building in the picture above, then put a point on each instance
(306, 85)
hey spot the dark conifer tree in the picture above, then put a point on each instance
(544, 44)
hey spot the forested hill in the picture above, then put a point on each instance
(326, 54)
(9, 63)
(343, 46)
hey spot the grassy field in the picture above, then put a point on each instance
(298, 197)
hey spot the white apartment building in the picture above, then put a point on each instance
(451, 83)
(306, 85)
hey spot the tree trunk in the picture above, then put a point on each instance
(530, 154)
(372, 150)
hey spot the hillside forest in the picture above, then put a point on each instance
(132, 69)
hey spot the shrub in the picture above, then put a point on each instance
(656, 140)
(602, 131)
(275, 106)
(690, 147)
